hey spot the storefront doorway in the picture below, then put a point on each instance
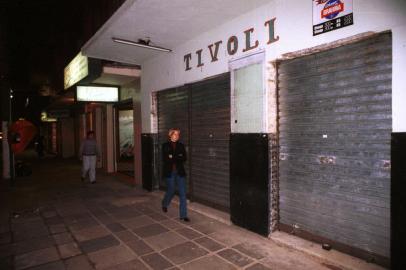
(125, 138)
(335, 131)
(202, 112)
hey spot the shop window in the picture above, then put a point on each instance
(248, 95)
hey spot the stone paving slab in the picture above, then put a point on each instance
(157, 217)
(54, 221)
(208, 227)
(115, 227)
(126, 236)
(36, 257)
(171, 224)
(131, 265)
(69, 250)
(150, 230)
(57, 228)
(210, 262)
(254, 251)
(157, 262)
(125, 214)
(83, 224)
(137, 222)
(57, 265)
(30, 233)
(227, 237)
(99, 243)
(235, 257)
(32, 244)
(258, 266)
(63, 238)
(184, 252)
(164, 240)
(111, 257)
(90, 233)
(105, 218)
(80, 262)
(209, 244)
(139, 247)
(189, 233)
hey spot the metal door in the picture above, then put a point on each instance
(210, 134)
(202, 112)
(173, 112)
(335, 130)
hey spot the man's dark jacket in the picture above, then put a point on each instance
(171, 157)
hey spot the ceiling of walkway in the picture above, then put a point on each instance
(166, 23)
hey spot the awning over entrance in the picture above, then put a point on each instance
(165, 24)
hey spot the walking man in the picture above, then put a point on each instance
(89, 153)
(173, 157)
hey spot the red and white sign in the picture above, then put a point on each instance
(329, 15)
(328, 11)
(325, 10)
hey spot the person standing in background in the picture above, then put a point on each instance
(173, 157)
(89, 153)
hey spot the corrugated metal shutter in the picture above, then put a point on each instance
(335, 126)
(173, 111)
(210, 133)
(202, 112)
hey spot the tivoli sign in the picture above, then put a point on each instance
(232, 45)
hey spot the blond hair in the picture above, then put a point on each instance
(173, 130)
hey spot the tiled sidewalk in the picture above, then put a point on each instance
(74, 225)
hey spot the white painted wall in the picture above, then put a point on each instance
(293, 25)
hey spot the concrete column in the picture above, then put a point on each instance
(110, 129)
(6, 151)
(67, 135)
(99, 134)
(137, 142)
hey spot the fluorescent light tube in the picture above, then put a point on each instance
(132, 43)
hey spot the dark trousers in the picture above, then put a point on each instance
(180, 181)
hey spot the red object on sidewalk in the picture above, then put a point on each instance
(25, 131)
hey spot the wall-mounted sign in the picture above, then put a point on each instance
(97, 93)
(77, 69)
(232, 44)
(46, 118)
(329, 15)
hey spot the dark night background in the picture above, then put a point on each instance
(38, 38)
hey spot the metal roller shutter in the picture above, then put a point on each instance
(173, 111)
(335, 127)
(210, 133)
(202, 112)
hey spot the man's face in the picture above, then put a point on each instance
(175, 136)
(90, 136)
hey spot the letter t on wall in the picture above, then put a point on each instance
(187, 59)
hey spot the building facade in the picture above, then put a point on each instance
(287, 109)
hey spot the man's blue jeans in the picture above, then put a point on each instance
(170, 192)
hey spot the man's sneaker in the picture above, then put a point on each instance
(164, 209)
(94, 182)
(185, 219)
